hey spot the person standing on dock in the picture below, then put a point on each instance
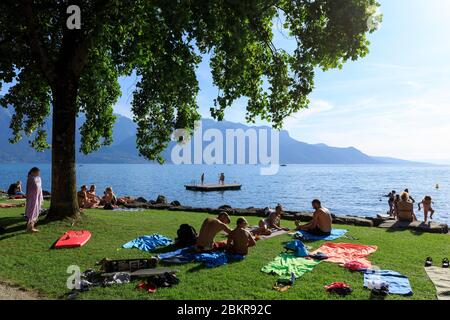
(202, 179)
(222, 178)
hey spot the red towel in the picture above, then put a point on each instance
(346, 252)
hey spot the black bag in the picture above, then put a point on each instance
(187, 236)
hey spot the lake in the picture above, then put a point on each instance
(344, 189)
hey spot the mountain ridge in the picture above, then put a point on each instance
(123, 149)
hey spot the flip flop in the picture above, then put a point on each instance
(428, 262)
(281, 288)
(445, 263)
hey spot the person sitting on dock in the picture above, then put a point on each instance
(405, 209)
(409, 194)
(209, 229)
(272, 222)
(239, 240)
(321, 222)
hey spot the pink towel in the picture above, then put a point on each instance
(347, 252)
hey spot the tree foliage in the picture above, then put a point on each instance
(163, 42)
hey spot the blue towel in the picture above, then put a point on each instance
(398, 283)
(179, 252)
(148, 243)
(217, 259)
(298, 247)
(180, 256)
(335, 234)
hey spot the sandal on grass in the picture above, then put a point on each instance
(281, 287)
(445, 263)
(428, 262)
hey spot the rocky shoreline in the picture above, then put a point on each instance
(161, 203)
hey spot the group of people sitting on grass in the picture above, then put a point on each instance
(87, 198)
(401, 206)
(240, 239)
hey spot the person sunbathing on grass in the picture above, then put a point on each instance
(272, 222)
(209, 229)
(109, 198)
(93, 198)
(320, 225)
(83, 198)
(239, 240)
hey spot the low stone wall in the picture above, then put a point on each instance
(432, 227)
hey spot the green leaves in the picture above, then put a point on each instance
(163, 42)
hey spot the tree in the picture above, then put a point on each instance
(63, 71)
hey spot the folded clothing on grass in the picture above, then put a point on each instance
(397, 283)
(148, 243)
(335, 234)
(298, 247)
(287, 264)
(346, 252)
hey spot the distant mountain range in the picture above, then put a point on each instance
(123, 149)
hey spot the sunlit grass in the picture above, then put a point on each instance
(28, 260)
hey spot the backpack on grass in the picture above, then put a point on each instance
(187, 236)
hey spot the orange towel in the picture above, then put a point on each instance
(346, 252)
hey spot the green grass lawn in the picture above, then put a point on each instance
(27, 260)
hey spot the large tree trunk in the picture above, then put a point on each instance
(64, 202)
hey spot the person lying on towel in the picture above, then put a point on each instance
(239, 240)
(320, 225)
(210, 228)
(272, 222)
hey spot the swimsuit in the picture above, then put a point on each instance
(318, 232)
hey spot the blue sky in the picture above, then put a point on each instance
(394, 102)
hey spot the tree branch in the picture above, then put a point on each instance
(36, 46)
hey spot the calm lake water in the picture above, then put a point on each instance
(354, 190)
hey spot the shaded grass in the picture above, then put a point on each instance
(26, 259)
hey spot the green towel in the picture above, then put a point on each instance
(287, 263)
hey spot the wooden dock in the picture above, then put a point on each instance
(212, 187)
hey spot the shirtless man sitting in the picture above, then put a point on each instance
(272, 222)
(239, 240)
(210, 228)
(320, 225)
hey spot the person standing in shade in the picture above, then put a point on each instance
(202, 178)
(35, 199)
